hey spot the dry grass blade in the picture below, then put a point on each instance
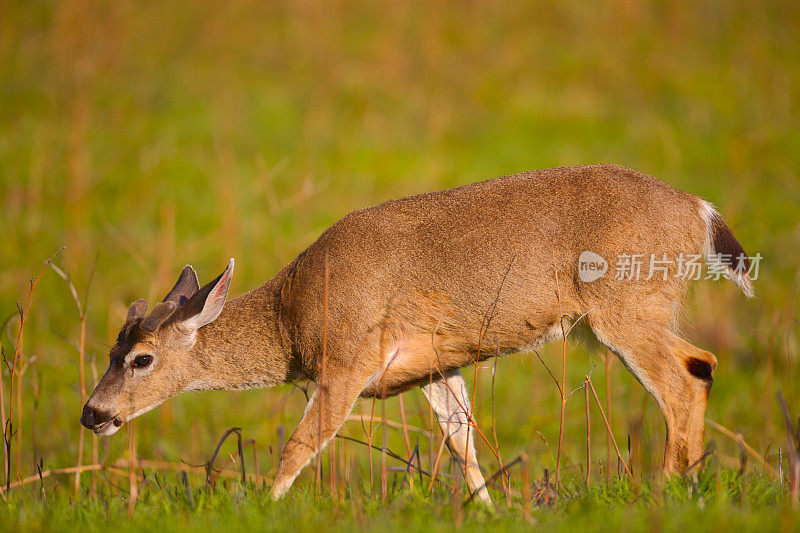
(185, 480)
(504, 479)
(435, 467)
(23, 316)
(333, 477)
(405, 437)
(793, 436)
(81, 306)
(737, 437)
(409, 476)
(588, 433)
(255, 461)
(95, 438)
(467, 412)
(520, 459)
(608, 428)
(384, 438)
(44, 474)
(526, 488)
(486, 322)
(562, 385)
(389, 423)
(608, 360)
(209, 466)
(124, 463)
(391, 454)
(321, 379)
(133, 485)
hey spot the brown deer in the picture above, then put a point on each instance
(421, 286)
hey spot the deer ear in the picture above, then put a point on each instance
(161, 311)
(206, 304)
(186, 287)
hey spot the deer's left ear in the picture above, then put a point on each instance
(186, 287)
(206, 304)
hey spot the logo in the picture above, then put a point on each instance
(591, 266)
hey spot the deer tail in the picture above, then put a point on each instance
(722, 250)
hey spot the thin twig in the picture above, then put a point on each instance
(435, 467)
(132, 479)
(467, 412)
(563, 368)
(389, 423)
(23, 316)
(322, 384)
(491, 312)
(209, 466)
(491, 478)
(391, 454)
(608, 428)
(555, 379)
(405, 436)
(608, 361)
(588, 433)
(188, 490)
(255, 460)
(81, 306)
(95, 438)
(124, 463)
(503, 479)
(736, 437)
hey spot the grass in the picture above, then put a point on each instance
(146, 136)
(715, 500)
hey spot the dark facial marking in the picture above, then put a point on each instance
(699, 369)
(129, 335)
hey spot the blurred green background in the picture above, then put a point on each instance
(148, 135)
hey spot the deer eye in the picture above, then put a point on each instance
(142, 361)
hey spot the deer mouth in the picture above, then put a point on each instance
(108, 428)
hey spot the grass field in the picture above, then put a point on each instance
(147, 135)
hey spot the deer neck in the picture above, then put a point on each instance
(243, 347)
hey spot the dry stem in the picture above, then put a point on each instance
(8, 425)
(737, 437)
(132, 480)
(608, 428)
(608, 361)
(588, 433)
(322, 374)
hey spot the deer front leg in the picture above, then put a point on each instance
(330, 404)
(449, 399)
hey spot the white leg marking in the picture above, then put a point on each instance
(450, 401)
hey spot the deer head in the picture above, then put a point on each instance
(153, 358)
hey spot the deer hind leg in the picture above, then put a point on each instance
(677, 375)
(330, 404)
(449, 399)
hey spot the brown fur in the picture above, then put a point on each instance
(727, 245)
(421, 286)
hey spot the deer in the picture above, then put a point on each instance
(396, 296)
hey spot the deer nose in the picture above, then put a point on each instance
(88, 417)
(91, 417)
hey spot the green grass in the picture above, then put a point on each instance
(150, 135)
(714, 501)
